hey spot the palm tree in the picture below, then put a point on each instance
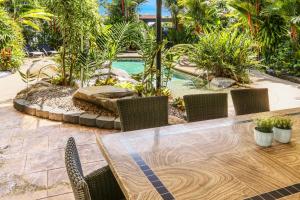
(199, 14)
(290, 9)
(174, 9)
(264, 21)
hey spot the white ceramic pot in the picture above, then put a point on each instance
(263, 139)
(282, 135)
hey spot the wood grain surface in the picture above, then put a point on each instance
(215, 159)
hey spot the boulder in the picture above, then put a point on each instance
(44, 68)
(221, 82)
(120, 74)
(105, 96)
(114, 72)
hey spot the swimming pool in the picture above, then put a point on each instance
(181, 84)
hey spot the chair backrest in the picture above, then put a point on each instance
(74, 169)
(247, 101)
(201, 107)
(142, 113)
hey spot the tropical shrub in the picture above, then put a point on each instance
(148, 49)
(11, 42)
(285, 60)
(201, 15)
(225, 53)
(178, 103)
(122, 11)
(78, 22)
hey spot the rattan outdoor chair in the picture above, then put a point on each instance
(201, 107)
(98, 185)
(142, 113)
(248, 101)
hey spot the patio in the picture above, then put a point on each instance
(32, 149)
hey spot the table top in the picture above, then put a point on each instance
(215, 159)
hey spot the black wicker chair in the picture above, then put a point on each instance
(142, 113)
(201, 107)
(98, 185)
(248, 101)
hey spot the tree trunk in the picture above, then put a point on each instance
(64, 63)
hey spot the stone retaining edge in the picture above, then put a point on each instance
(80, 118)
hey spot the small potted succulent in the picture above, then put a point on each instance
(263, 132)
(282, 129)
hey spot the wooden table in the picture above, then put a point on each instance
(216, 159)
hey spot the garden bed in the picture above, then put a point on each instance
(54, 102)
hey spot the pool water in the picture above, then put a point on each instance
(180, 84)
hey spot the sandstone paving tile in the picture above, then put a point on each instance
(32, 195)
(68, 196)
(89, 153)
(35, 145)
(90, 167)
(13, 146)
(58, 182)
(11, 166)
(25, 186)
(44, 161)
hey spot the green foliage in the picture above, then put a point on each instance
(264, 125)
(11, 42)
(122, 11)
(285, 60)
(178, 103)
(110, 81)
(111, 41)
(27, 12)
(282, 123)
(148, 49)
(223, 53)
(27, 78)
(201, 15)
(78, 22)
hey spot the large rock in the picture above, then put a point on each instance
(120, 74)
(44, 68)
(105, 96)
(114, 72)
(221, 82)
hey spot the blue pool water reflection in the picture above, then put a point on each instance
(181, 84)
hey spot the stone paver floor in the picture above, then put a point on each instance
(32, 149)
(32, 155)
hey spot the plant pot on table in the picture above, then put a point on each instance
(263, 139)
(282, 135)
